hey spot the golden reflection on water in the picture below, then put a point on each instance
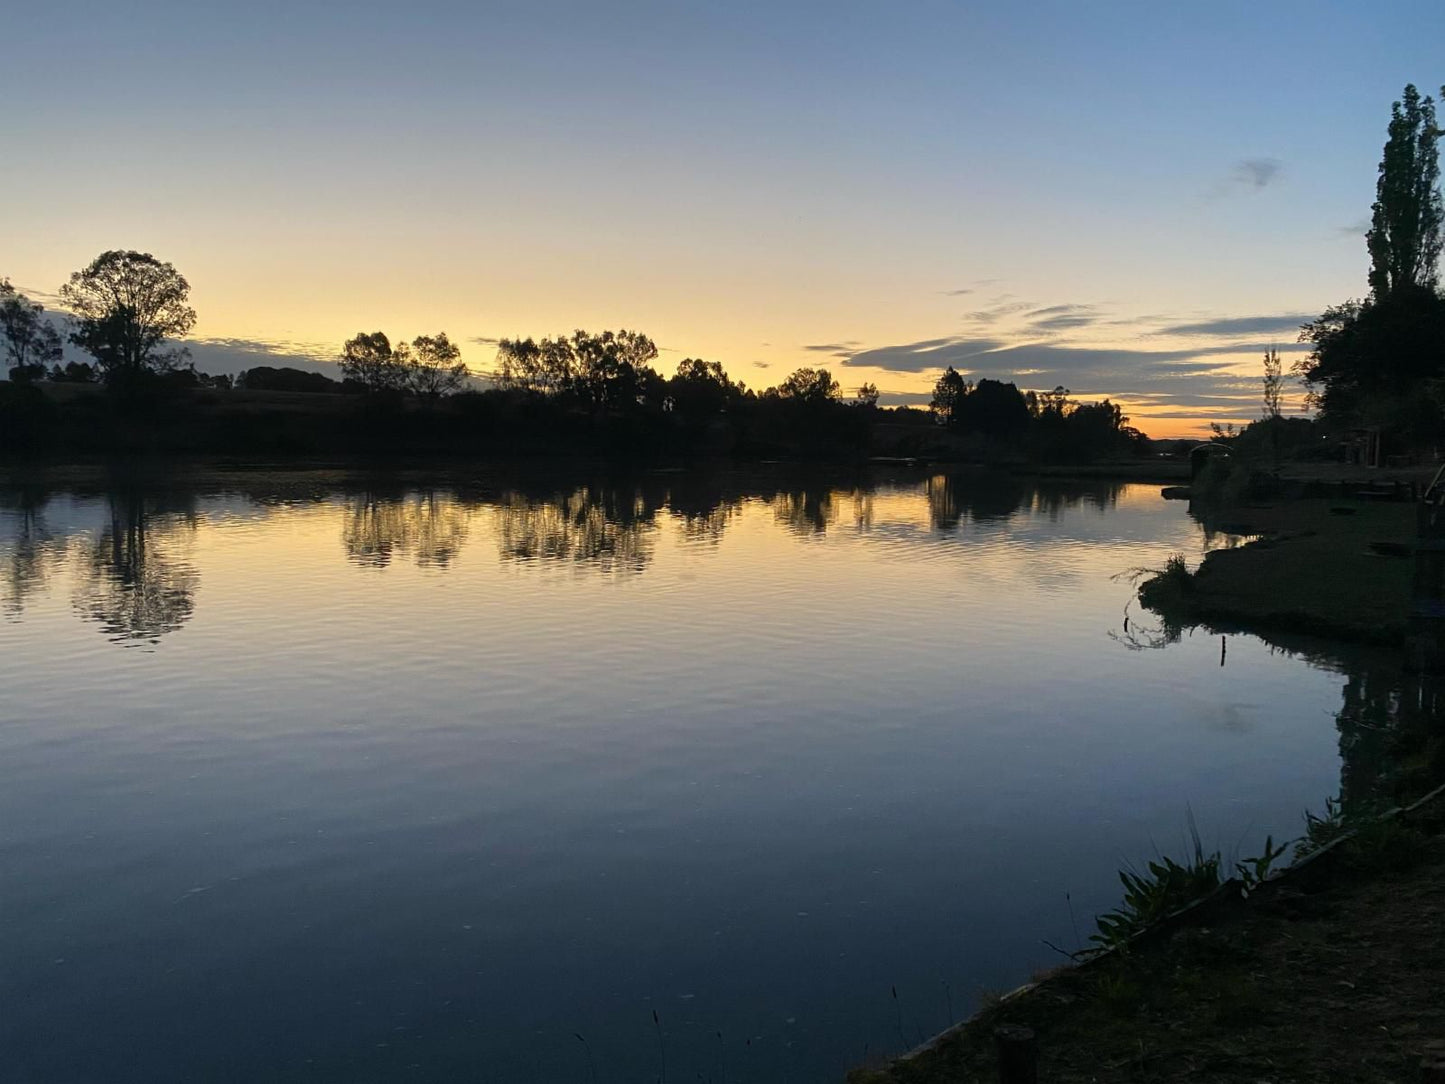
(609, 530)
(137, 580)
(133, 568)
(428, 528)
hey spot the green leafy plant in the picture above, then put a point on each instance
(1322, 830)
(1162, 888)
(1254, 871)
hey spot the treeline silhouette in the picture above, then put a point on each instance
(134, 576)
(584, 393)
(1048, 426)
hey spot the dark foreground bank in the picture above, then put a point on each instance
(1331, 972)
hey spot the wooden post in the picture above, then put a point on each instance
(1018, 1056)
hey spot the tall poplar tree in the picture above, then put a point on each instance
(1404, 237)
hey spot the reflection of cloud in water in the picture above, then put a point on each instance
(428, 527)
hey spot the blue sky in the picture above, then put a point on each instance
(1082, 194)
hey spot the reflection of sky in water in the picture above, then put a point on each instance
(442, 778)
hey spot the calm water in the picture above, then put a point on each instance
(304, 779)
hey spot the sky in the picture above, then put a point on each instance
(1131, 200)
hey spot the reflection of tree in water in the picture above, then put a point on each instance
(979, 497)
(427, 526)
(1392, 741)
(134, 581)
(862, 509)
(1390, 737)
(808, 511)
(983, 498)
(702, 509)
(609, 529)
(1052, 500)
(29, 553)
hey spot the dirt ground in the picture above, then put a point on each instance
(1327, 975)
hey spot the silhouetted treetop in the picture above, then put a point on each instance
(1379, 362)
(126, 306)
(1404, 237)
(31, 343)
(608, 370)
(701, 389)
(368, 359)
(810, 386)
(433, 366)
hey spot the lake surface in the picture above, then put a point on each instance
(323, 778)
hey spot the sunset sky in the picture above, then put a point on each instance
(1129, 199)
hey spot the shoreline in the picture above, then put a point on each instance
(1328, 568)
(1327, 967)
(422, 468)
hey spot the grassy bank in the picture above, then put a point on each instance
(1329, 972)
(1312, 570)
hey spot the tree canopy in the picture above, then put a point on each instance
(1380, 361)
(31, 343)
(1404, 237)
(810, 386)
(611, 369)
(369, 360)
(433, 366)
(127, 307)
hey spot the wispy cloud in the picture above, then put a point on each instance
(1184, 378)
(997, 312)
(44, 297)
(1241, 325)
(838, 350)
(1247, 176)
(1055, 318)
(1257, 172)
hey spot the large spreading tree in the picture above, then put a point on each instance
(369, 360)
(129, 307)
(434, 366)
